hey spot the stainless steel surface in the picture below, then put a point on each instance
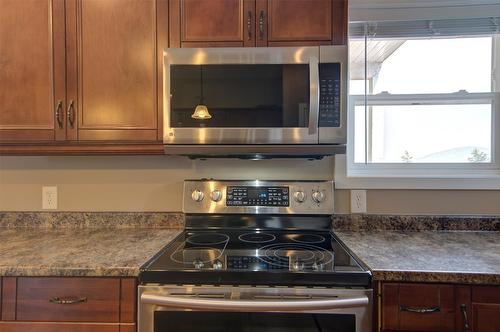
(426, 310)
(59, 114)
(313, 95)
(336, 135)
(157, 298)
(68, 300)
(71, 114)
(279, 304)
(254, 151)
(309, 206)
(250, 135)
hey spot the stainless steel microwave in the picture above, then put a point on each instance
(278, 100)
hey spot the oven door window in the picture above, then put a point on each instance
(240, 96)
(192, 321)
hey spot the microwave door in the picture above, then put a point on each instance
(252, 100)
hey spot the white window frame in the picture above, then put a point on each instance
(350, 175)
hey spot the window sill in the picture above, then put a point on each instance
(421, 179)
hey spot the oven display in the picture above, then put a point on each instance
(257, 196)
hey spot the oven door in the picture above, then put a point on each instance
(235, 309)
(253, 95)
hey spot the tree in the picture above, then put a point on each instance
(407, 158)
(477, 156)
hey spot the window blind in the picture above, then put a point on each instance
(426, 28)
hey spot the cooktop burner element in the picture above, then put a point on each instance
(257, 237)
(207, 239)
(308, 238)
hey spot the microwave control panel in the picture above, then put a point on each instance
(329, 95)
(257, 196)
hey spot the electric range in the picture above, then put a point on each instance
(258, 248)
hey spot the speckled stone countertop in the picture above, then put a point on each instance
(73, 244)
(470, 257)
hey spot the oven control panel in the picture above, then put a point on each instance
(258, 197)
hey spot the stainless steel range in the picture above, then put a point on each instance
(255, 256)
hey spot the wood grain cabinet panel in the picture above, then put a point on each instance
(299, 20)
(57, 327)
(31, 69)
(212, 23)
(485, 304)
(95, 299)
(112, 68)
(418, 307)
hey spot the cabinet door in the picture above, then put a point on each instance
(485, 309)
(298, 22)
(112, 69)
(212, 23)
(32, 82)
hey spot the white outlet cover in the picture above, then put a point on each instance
(358, 201)
(49, 198)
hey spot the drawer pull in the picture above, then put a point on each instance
(463, 309)
(68, 300)
(428, 310)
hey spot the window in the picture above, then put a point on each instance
(424, 99)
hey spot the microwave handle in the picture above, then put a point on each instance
(254, 305)
(313, 95)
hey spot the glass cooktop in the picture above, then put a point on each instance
(255, 257)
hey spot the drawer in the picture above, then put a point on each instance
(57, 327)
(418, 307)
(68, 299)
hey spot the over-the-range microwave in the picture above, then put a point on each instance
(251, 102)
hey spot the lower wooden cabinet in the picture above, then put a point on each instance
(438, 308)
(68, 304)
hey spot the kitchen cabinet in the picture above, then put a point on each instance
(236, 23)
(63, 304)
(73, 70)
(438, 307)
(32, 71)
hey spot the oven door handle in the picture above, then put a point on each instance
(254, 305)
(313, 95)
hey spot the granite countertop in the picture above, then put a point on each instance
(116, 252)
(471, 257)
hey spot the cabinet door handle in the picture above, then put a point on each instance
(59, 113)
(419, 310)
(68, 300)
(463, 309)
(261, 25)
(249, 25)
(71, 114)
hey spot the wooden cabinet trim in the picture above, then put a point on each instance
(107, 148)
(128, 300)
(59, 327)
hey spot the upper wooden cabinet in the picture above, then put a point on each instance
(82, 69)
(112, 68)
(212, 23)
(32, 72)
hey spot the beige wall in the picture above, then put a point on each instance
(154, 183)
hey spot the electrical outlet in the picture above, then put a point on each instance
(49, 198)
(358, 201)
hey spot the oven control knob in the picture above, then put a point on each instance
(299, 196)
(318, 196)
(198, 264)
(197, 195)
(216, 195)
(217, 265)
